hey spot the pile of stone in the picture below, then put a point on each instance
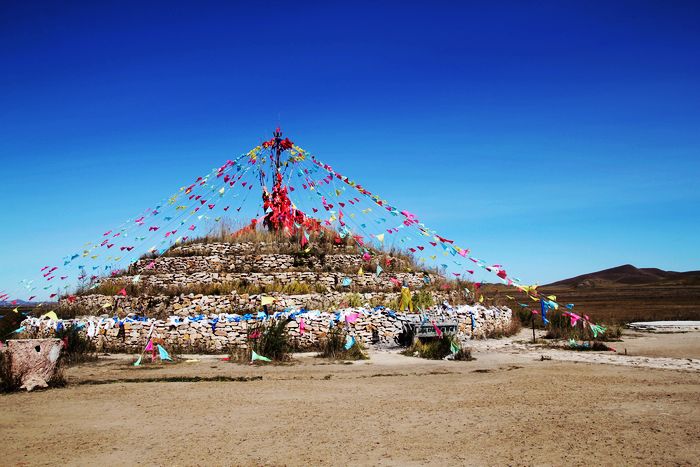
(222, 332)
(165, 293)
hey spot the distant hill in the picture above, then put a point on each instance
(631, 275)
(20, 303)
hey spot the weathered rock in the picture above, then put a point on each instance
(34, 361)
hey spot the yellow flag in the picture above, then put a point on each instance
(481, 299)
(50, 315)
(360, 271)
(16, 310)
(552, 297)
(265, 300)
(380, 237)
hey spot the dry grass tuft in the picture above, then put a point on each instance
(333, 347)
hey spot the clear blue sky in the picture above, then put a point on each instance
(555, 139)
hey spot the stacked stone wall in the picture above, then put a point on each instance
(245, 263)
(316, 280)
(221, 332)
(193, 304)
(236, 249)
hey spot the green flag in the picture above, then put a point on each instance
(454, 348)
(255, 356)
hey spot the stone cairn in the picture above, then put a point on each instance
(169, 292)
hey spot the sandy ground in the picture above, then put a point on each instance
(507, 407)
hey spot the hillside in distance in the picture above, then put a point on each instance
(627, 293)
(631, 275)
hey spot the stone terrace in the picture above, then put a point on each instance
(165, 284)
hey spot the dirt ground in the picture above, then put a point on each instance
(509, 406)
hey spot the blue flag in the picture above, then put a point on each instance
(349, 342)
(543, 308)
(163, 353)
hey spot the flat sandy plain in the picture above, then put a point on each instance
(508, 407)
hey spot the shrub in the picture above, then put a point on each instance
(464, 354)
(559, 327)
(9, 323)
(77, 348)
(524, 315)
(406, 337)
(270, 339)
(434, 349)
(238, 354)
(423, 299)
(333, 347)
(354, 300)
(297, 288)
(8, 382)
(392, 304)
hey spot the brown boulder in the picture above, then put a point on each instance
(34, 361)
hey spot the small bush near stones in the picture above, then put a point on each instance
(333, 347)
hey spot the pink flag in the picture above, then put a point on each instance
(574, 318)
(302, 327)
(351, 318)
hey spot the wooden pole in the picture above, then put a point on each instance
(532, 318)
